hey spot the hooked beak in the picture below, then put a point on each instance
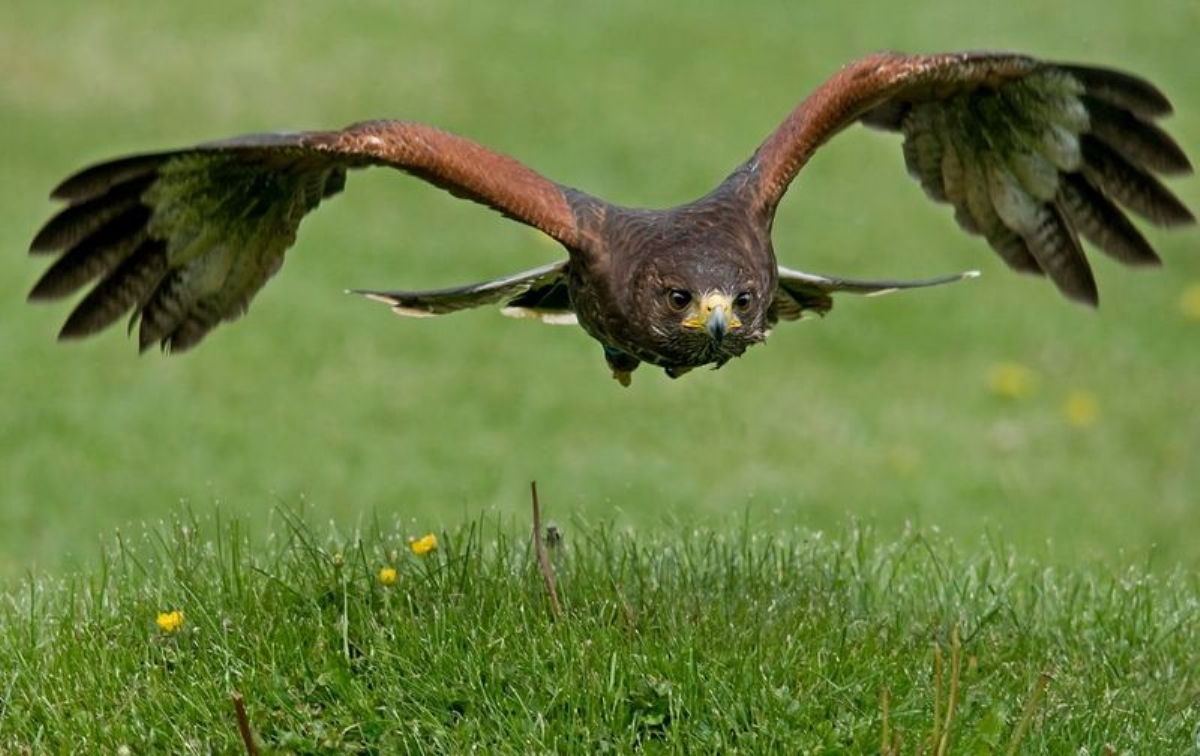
(717, 323)
(714, 313)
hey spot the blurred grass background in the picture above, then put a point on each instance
(885, 412)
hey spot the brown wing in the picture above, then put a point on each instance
(540, 294)
(798, 292)
(184, 239)
(1030, 154)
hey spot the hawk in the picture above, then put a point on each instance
(1032, 155)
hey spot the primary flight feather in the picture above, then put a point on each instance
(1032, 156)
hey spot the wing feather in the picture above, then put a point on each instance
(98, 180)
(1131, 185)
(1103, 224)
(94, 254)
(1140, 141)
(540, 293)
(1030, 154)
(81, 219)
(185, 239)
(798, 292)
(1121, 89)
(120, 290)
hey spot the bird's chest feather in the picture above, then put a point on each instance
(602, 308)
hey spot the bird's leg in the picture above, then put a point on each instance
(621, 364)
(675, 372)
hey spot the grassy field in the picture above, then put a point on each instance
(701, 641)
(981, 414)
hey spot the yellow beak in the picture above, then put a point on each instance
(713, 313)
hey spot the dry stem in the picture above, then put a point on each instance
(540, 549)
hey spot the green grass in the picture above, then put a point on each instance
(696, 503)
(700, 641)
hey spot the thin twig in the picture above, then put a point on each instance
(1027, 715)
(239, 705)
(936, 736)
(885, 747)
(540, 549)
(952, 699)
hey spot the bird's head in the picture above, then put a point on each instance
(704, 310)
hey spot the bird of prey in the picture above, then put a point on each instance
(1032, 155)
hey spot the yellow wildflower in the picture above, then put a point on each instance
(387, 576)
(422, 546)
(1011, 380)
(1189, 303)
(169, 622)
(1080, 409)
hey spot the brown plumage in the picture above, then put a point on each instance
(1031, 155)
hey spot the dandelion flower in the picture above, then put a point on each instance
(1189, 303)
(169, 622)
(422, 546)
(1011, 380)
(1080, 409)
(387, 576)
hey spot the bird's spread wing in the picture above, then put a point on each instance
(540, 293)
(1031, 154)
(184, 239)
(799, 292)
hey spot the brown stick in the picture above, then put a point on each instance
(943, 747)
(540, 549)
(885, 745)
(239, 705)
(936, 736)
(1027, 714)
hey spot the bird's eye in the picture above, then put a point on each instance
(679, 298)
(742, 300)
